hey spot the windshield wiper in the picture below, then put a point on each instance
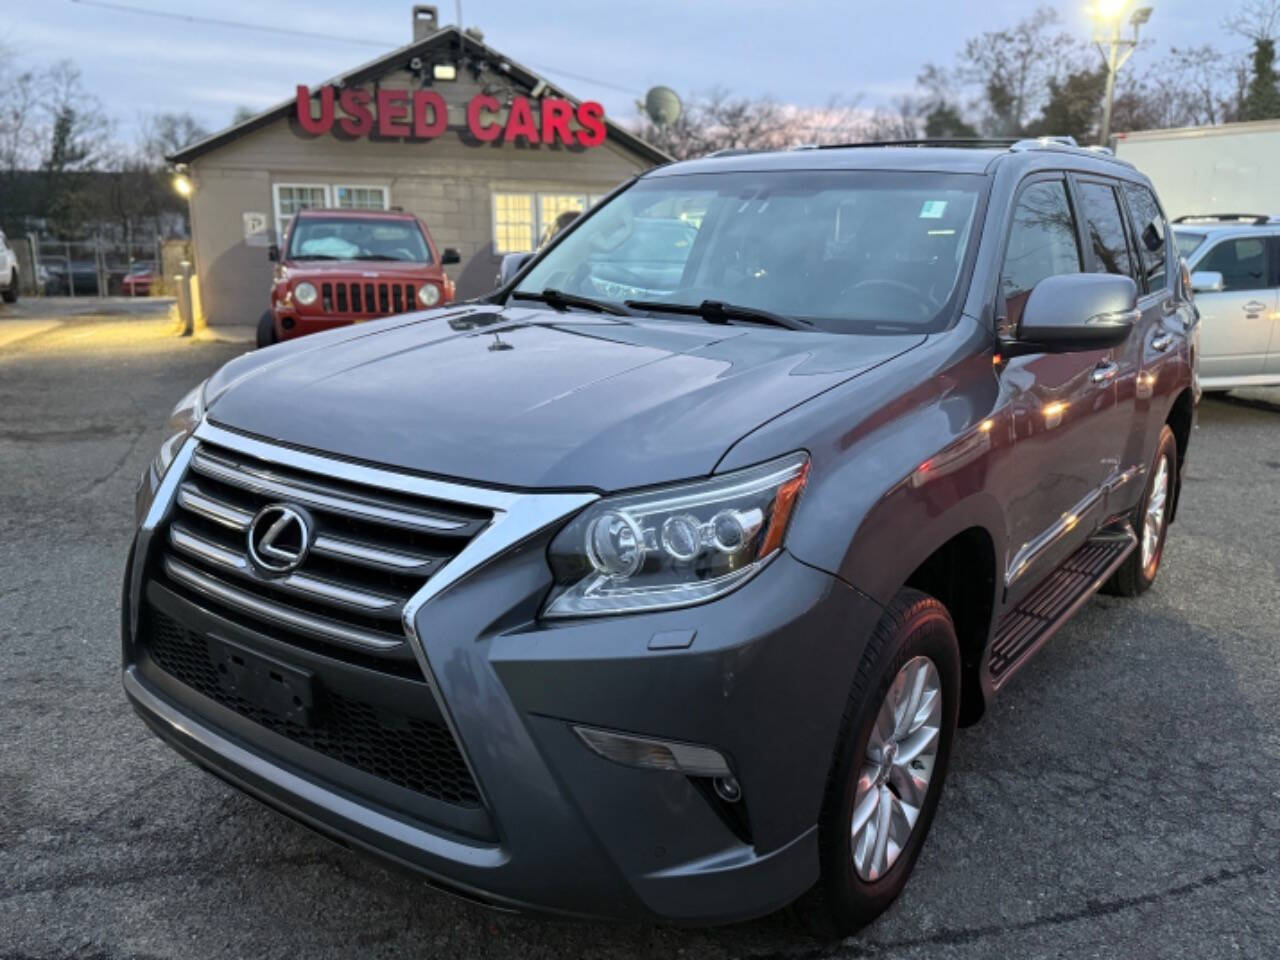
(371, 256)
(559, 300)
(715, 311)
(312, 256)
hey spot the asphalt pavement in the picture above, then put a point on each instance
(1121, 799)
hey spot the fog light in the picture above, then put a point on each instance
(728, 789)
(650, 754)
(287, 323)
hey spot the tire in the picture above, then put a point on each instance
(267, 330)
(1140, 568)
(11, 291)
(914, 627)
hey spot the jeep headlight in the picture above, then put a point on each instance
(184, 419)
(674, 546)
(428, 295)
(305, 293)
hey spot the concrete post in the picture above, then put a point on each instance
(186, 309)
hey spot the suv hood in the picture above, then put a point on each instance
(527, 397)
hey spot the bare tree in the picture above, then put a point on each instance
(1011, 70)
(1255, 20)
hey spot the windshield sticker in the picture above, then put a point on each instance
(933, 209)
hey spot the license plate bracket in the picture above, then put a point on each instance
(273, 685)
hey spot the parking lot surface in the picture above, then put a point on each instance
(1121, 799)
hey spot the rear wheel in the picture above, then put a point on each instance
(889, 766)
(266, 330)
(1150, 522)
(11, 291)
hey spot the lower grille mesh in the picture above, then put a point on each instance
(410, 752)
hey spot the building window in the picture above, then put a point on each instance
(550, 208)
(513, 222)
(522, 221)
(292, 197)
(361, 198)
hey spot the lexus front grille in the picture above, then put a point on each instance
(370, 550)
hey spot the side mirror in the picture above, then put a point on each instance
(1079, 311)
(450, 255)
(1207, 281)
(273, 253)
(512, 264)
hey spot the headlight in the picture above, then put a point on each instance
(675, 546)
(428, 294)
(305, 293)
(184, 419)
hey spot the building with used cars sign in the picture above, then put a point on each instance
(488, 153)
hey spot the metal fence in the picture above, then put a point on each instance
(98, 267)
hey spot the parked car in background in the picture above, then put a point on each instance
(138, 281)
(657, 587)
(8, 271)
(338, 267)
(75, 278)
(1234, 261)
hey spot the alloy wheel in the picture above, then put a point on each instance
(1154, 517)
(894, 780)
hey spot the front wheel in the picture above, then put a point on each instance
(266, 330)
(1151, 523)
(11, 291)
(889, 766)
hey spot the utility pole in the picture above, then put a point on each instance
(1109, 15)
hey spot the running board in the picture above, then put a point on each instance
(1027, 626)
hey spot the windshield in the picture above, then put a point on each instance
(1187, 242)
(845, 250)
(352, 238)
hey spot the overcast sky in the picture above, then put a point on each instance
(801, 51)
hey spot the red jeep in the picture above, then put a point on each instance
(343, 266)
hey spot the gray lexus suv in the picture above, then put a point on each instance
(655, 584)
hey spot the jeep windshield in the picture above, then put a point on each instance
(353, 238)
(846, 251)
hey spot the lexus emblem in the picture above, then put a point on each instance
(279, 538)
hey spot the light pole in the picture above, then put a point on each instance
(1108, 18)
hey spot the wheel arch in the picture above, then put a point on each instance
(962, 575)
(1180, 420)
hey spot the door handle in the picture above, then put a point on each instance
(1254, 306)
(1162, 341)
(1105, 372)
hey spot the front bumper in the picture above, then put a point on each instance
(763, 681)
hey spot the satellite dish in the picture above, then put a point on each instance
(662, 104)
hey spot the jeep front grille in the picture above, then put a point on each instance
(372, 549)
(368, 298)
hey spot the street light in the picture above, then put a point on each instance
(1109, 17)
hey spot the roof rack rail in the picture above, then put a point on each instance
(977, 143)
(732, 152)
(1256, 219)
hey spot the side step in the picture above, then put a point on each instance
(1023, 629)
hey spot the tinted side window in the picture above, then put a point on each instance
(1242, 263)
(1152, 231)
(1105, 229)
(1042, 243)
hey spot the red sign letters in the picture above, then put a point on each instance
(423, 115)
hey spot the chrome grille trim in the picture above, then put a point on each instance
(378, 558)
(282, 616)
(313, 495)
(301, 584)
(192, 498)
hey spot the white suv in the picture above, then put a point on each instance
(8, 271)
(1235, 271)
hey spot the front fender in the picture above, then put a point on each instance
(897, 472)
